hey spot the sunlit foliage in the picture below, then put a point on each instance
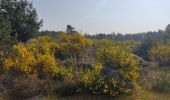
(161, 54)
(121, 60)
(20, 19)
(128, 45)
(34, 57)
(60, 57)
(92, 81)
(73, 48)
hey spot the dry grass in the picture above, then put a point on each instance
(142, 95)
(44, 90)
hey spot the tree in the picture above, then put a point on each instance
(23, 19)
(168, 31)
(168, 28)
(4, 29)
(144, 47)
(70, 29)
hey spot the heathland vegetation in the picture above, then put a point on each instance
(51, 65)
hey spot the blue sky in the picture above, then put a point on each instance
(104, 16)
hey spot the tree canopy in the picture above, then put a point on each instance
(20, 19)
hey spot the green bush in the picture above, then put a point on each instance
(161, 54)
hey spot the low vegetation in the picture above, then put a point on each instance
(63, 58)
(44, 65)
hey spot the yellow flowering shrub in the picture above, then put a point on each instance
(42, 45)
(92, 81)
(73, 46)
(34, 57)
(124, 63)
(65, 72)
(90, 75)
(161, 54)
(48, 63)
(46, 56)
(22, 59)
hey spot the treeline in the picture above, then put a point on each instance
(159, 36)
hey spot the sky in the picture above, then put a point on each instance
(104, 16)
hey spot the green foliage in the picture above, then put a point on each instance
(168, 28)
(20, 19)
(106, 43)
(144, 47)
(4, 30)
(161, 54)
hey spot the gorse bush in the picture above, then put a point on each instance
(123, 62)
(73, 48)
(42, 45)
(75, 42)
(161, 54)
(38, 56)
(57, 58)
(92, 81)
(33, 58)
(21, 59)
